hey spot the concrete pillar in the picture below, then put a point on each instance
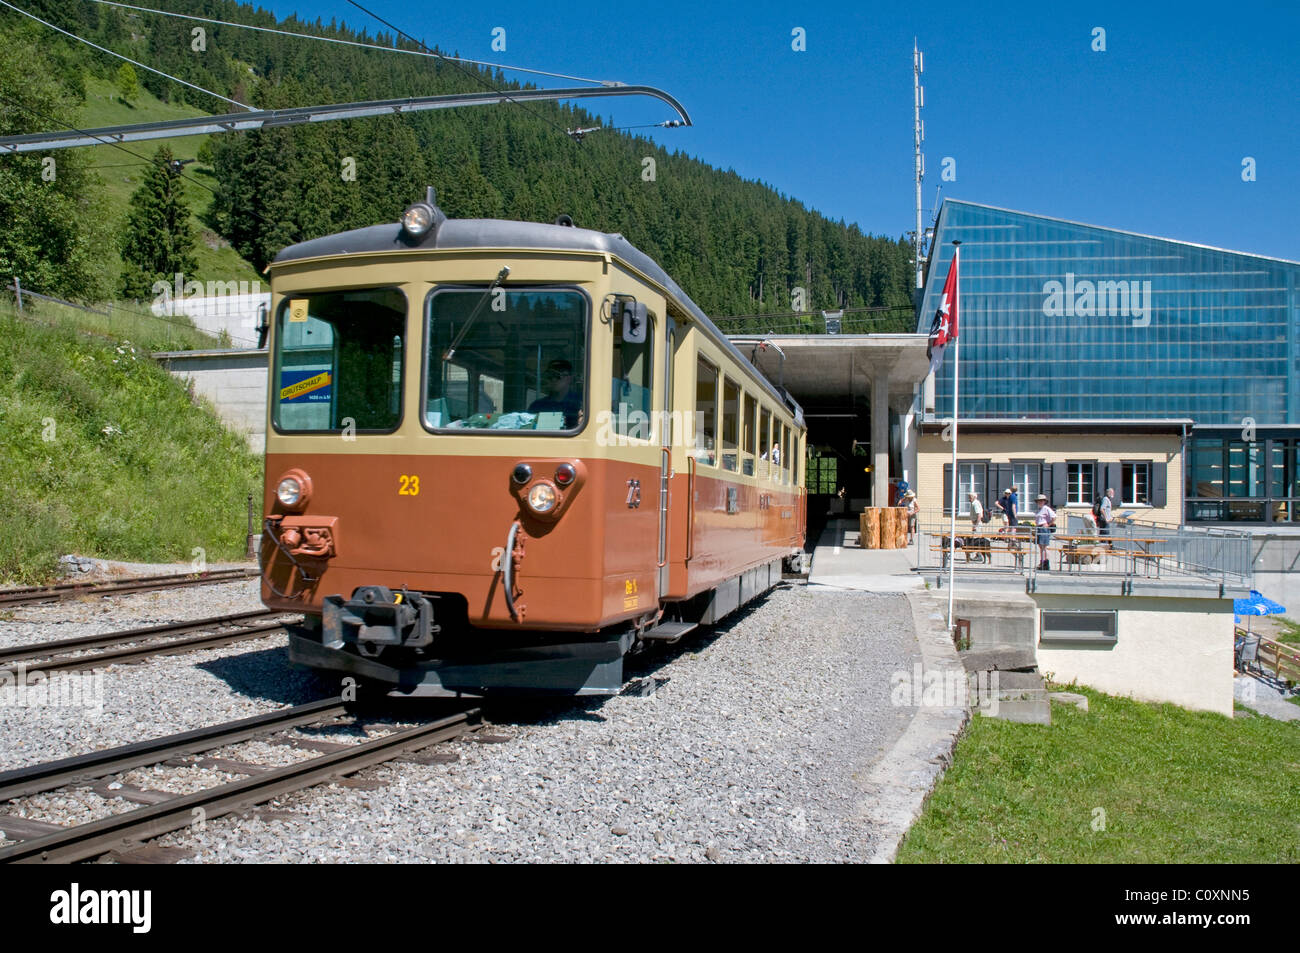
(880, 437)
(928, 389)
(907, 443)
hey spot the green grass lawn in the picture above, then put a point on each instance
(122, 175)
(1175, 787)
(106, 454)
(1289, 631)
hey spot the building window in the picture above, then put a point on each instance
(971, 476)
(822, 474)
(1137, 483)
(1079, 486)
(1027, 477)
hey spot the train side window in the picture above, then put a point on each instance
(631, 401)
(730, 423)
(764, 443)
(706, 411)
(785, 454)
(751, 435)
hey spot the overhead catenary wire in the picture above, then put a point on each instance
(469, 73)
(104, 49)
(367, 46)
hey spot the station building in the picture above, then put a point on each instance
(1095, 358)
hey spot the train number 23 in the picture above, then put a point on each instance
(410, 485)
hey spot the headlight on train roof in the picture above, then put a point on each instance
(542, 498)
(417, 219)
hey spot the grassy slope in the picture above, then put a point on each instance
(1176, 787)
(136, 468)
(122, 175)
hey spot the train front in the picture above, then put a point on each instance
(439, 502)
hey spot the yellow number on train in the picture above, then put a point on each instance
(410, 485)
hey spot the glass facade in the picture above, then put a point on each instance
(1065, 320)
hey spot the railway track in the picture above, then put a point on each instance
(162, 812)
(59, 656)
(31, 595)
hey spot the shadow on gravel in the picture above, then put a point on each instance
(267, 674)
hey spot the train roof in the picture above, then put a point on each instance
(451, 233)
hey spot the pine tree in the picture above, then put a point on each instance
(128, 87)
(159, 240)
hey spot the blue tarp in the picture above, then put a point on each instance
(1256, 604)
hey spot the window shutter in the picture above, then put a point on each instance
(1159, 478)
(1115, 481)
(1056, 483)
(947, 489)
(1001, 474)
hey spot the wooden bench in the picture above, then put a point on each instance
(980, 548)
(1149, 559)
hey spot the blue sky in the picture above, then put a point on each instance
(1149, 135)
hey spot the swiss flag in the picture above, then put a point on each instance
(944, 328)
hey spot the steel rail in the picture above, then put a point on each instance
(76, 663)
(38, 778)
(29, 595)
(127, 830)
(31, 650)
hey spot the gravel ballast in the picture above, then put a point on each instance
(750, 742)
(753, 748)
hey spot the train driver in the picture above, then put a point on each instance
(561, 395)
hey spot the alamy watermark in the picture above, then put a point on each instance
(20, 688)
(167, 295)
(1090, 299)
(945, 688)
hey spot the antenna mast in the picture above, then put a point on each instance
(918, 95)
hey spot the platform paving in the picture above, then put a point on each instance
(839, 562)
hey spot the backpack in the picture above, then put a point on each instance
(1096, 509)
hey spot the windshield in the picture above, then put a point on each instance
(518, 364)
(338, 361)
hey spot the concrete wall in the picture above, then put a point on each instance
(236, 314)
(934, 452)
(1167, 650)
(1276, 560)
(233, 381)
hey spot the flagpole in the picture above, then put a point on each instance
(956, 371)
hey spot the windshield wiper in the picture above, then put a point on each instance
(469, 323)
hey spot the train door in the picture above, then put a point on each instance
(665, 448)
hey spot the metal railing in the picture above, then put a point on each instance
(1130, 551)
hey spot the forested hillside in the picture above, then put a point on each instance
(737, 247)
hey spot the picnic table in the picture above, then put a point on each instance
(1074, 552)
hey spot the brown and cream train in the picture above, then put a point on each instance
(501, 455)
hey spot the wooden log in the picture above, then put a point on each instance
(900, 531)
(869, 528)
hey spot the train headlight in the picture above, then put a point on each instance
(289, 491)
(293, 490)
(417, 219)
(542, 498)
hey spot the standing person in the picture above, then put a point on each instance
(1103, 511)
(913, 510)
(1007, 504)
(976, 512)
(1045, 521)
